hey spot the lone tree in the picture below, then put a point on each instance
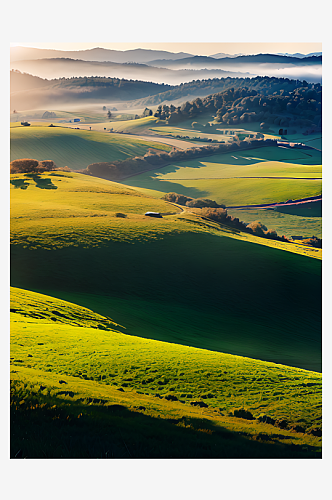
(147, 112)
(109, 114)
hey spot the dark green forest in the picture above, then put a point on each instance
(300, 107)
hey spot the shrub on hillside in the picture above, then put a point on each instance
(257, 228)
(46, 165)
(23, 165)
(314, 242)
(180, 199)
(28, 165)
(201, 203)
(217, 214)
(242, 413)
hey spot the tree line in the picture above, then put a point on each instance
(234, 106)
(262, 84)
(210, 209)
(120, 169)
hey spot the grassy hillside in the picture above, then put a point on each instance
(250, 177)
(181, 279)
(286, 224)
(135, 126)
(70, 366)
(74, 148)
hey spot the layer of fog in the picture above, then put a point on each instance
(62, 68)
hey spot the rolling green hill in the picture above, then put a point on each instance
(284, 224)
(69, 363)
(178, 279)
(254, 176)
(74, 148)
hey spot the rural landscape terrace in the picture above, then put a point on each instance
(166, 251)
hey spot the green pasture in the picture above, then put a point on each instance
(89, 115)
(61, 209)
(313, 140)
(180, 278)
(190, 133)
(284, 224)
(135, 126)
(246, 177)
(245, 191)
(74, 148)
(231, 191)
(215, 293)
(213, 170)
(53, 336)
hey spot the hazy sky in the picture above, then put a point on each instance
(205, 48)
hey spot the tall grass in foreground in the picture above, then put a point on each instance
(58, 337)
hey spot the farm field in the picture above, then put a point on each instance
(220, 133)
(74, 148)
(255, 176)
(84, 210)
(282, 223)
(80, 356)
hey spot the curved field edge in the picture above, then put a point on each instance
(243, 177)
(164, 375)
(75, 148)
(58, 210)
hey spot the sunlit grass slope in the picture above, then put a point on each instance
(93, 420)
(254, 176)
(286, 224)
(181, 279)
(74, 148)
(46, 336)
(61, 209)
(135, 126)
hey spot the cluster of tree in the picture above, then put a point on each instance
(257, 228)
(299, 107)
(313, 241)
(210, 209)
(118, 170)
(28, 165)
(49, 114)
(262, 84)
(147, 112)
(181, 199)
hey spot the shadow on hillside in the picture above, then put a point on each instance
(164, 186)
(42, 183)
(77, 430)
(19, 183)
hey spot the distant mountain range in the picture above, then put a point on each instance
(222, 55)
(119, 56)
(300, 55)
(96, 54)
(67, 68)
(162, 66)
(206, 61)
